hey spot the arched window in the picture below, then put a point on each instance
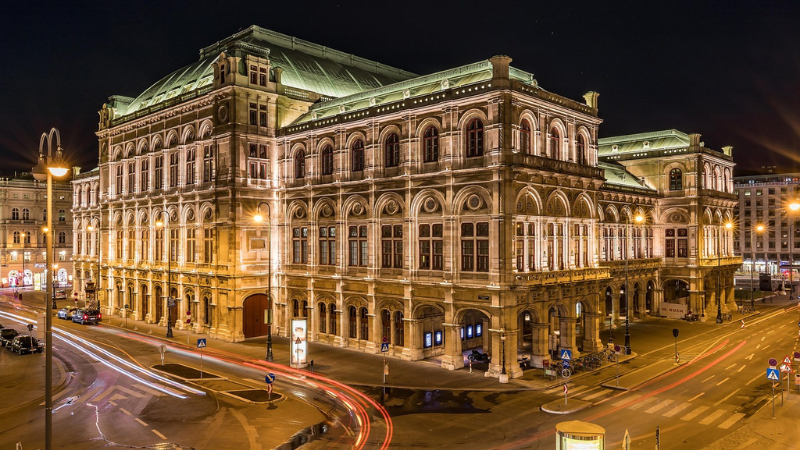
(14, 213)
(16, 237)
(430, 143)
(322, 312)
(364, 324)
(392, 150)
(332, 317)
(26, 214)
(300, 165)
(62, 237)
(580, 150)
(353, 322)
(27, 236)
(475, 138)
(675, 180)
(357, 156)
(327, 160)
(525, 137)
(555, 143)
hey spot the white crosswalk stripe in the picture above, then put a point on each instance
(627, 399)
(642, 403)
(697, 411)
(677, 409)
(596, 394)
(712, 417)
(731, 420)
(659, 406)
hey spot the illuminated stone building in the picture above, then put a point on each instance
(468, 208)
(24, 209)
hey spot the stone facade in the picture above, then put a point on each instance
(464, 209)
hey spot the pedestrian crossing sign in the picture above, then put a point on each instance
(201, 343)
(566, 355)
(384, 347)
(772, 374)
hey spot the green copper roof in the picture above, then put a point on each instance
(410, 90)
(305, 65)
(616, 174)
(642, 142)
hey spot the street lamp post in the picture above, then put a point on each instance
(22, 235)
(168, 238)
(47, 168)
(98, 240)
(758, 228)
(259, 218)
(719, 268)
(638, 219)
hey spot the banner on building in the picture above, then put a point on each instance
(672, 310)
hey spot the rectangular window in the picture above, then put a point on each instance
(159, 248)
(262, 151)
(174, 235)
(358, 245)
(208, 245)
(392, 246)
(159, 172)
(262, 115)
(253, 114)
(262, 76)
(253, 74)
(144, 176)
(683, 248)
(173, 169)
(207, 164)
(191, 244)
(119, 179)
(670, 248)
(131, 177)
(190, 166)
(300, 245)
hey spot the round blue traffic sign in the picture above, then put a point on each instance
(269, 378)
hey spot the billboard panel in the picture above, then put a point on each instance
(299, 355)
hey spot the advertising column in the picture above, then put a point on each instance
(299, 355)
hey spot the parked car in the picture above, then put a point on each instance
(83, 316)
(7, 335)
(61, 294)
(26, 344)
(66, 313)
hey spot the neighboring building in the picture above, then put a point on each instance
(86, 213)
(24, 213)
(463, 209)
(764, 200)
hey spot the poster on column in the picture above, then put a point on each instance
(299, 335)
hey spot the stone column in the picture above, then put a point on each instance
(591, 332)
(566, 327)
(539, 344)
(413, 339)
(452, 359)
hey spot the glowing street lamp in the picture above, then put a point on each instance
(47, 168)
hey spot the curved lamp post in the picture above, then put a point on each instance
(727, 226)
(47, 168)
(639, 219)
(258, 218)
(165, 224)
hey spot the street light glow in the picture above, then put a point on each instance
(639, 218)
(258, 218)
(794, 206)
(58, 171)
(759, 228)
(730, 225)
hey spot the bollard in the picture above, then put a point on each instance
(311, 364)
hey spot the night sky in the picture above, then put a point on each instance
(728, 70)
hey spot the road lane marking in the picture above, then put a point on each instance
(731, 420)
(677, 409)
(130, 391)
(741, 368)
(144, 388)
(140, 421)
(699, 410)
(726, 379)
(696, 396)
(159, 434)
(659, 406)
(770, 331)
(754, 379)
(712, 376)
(126, 411)
(758, 346)
(112, 403)
(751, 356)
(577, 389)
(627, 400)
(765, 347)
(596, 394)
(729, 367)
(642, 403)
(88, 395)
(762, 339)
(727, 397)
(714, 416)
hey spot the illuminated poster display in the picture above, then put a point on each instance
(37, 282)
(299, 355)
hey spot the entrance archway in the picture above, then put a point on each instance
(676, 291)
(430, 323)
(253, 323)
(474, 325)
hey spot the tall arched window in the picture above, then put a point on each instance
(15, 214)
(26, 214)
(580, 150)
(525, 137)
(62, 237)
(430, 142)
(357, 154)
(16, 237)
(675, 180)
(327, 160)
(555, 143)
(475, 138)
(392, 150)
(353, 322)
(300, 165)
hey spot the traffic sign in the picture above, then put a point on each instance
(566, 355)
(617, 349)
(269, 378)
(787, 360)
(772, 374)
(384, 347)
(786, 368)
(385, 340)
(797, 356)
(773, 362)
(201, 343)
(298, 341)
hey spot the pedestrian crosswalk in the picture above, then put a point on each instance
(686, 411)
